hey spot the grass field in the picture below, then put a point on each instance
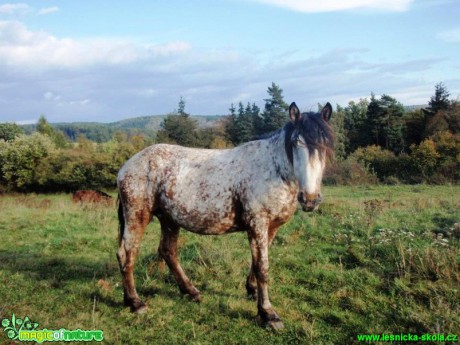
(373, 260)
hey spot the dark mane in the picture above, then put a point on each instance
(317, 133)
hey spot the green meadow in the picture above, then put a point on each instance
(372, 260)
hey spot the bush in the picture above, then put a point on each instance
(348, 172)
(25, 161)
(425, 158)
(34, 164)
(382, 163)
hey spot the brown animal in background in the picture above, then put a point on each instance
(91, 196)
(252, 188)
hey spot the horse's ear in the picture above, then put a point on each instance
(326, 113)
(294, 112)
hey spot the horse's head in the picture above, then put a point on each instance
(311, 139)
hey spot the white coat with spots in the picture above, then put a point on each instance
(253, 187)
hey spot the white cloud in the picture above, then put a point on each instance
(450, 36)
(51, 96)
(105, 79)
(79, 102)
(309, 6)
(169, 48)
(47, 10)
(21, 47)
(12, 9)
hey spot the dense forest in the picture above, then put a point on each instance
(378, 140)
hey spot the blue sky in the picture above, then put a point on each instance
(108, 60)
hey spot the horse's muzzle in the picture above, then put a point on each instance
(309, 202)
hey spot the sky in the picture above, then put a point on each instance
(110, 60)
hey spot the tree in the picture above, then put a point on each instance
(385, 123)
(425, 158)
(444, 120)
(9, 131)
(25, 161)
(244, 124)
(355, 123)
(181, 107)
(231, 131)
(415, 124)
(439, 101)
(44, 127)
(338, 125)
(57, 136)
(179, 128)
(257, 121)
(275, 112)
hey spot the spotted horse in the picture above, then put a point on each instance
(254, 188)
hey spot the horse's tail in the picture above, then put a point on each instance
(121, 219)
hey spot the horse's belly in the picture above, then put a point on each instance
(203, 216)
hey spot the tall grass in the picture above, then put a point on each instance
(372, 260)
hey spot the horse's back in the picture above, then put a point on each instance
(205, 191)
(187, 184)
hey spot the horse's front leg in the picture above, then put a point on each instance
(259, 242)
(251, 281)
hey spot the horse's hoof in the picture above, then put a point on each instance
(252, 296)
(137, 306)
(196, 298)
(141, 310)
(274, 325)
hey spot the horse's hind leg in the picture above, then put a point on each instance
(131, 233)
(168, 251)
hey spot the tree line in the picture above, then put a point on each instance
(377, 140)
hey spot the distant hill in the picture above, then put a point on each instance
(147, 125)
(415, 107)
(101, 132)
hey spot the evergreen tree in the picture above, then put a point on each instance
(244, 124)
(231, 132)
(179, 128)
(444, 120)
(415, 123)
(355, 123)
(181, 107)
(257, 121)
(385, 123)
(439, 101)
(275, 112)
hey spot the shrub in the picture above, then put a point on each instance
(382, 163)
(348, 172)
(425, 158)
(25, 161)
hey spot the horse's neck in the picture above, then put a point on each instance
(280, 158)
